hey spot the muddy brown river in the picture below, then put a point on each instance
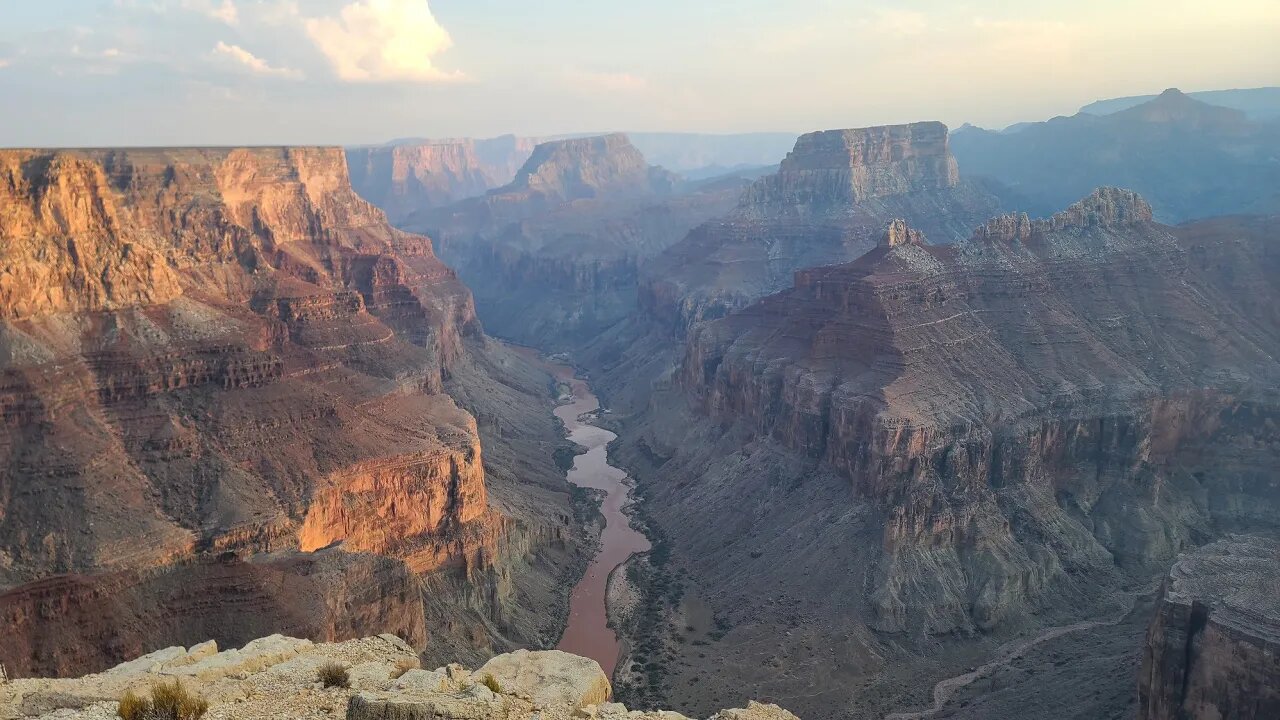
(588, 632)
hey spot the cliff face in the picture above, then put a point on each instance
(828, 203)
(553, 257)
(849, 166)
(403, 178)
(213, 351)
(1211, 649)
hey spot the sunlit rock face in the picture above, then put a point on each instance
(228, 352)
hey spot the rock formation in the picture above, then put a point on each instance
(1212, 648)
(827, 204)
(1162, 148)
(210, 352)
(276, 676)
(553, 257)
(973, 439)
(405, 177)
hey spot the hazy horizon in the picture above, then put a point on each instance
(352, 72)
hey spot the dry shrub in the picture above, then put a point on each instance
(491, 682)
(332, 674)
(404, 665)
(168, 701)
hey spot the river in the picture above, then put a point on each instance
(588, 632)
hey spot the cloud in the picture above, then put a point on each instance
(383, 41)
(254, 64)
(225, 11)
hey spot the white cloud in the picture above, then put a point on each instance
(383, 41)
(254, 64)
(224, 11)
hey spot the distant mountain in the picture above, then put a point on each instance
(1257, 103)
(701, 155)
(1190, 159)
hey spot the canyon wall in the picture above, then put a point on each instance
(1212, 648)
(937, 449)
(405, 177)
(554, 256)
(826, 204)
(1075, 358)
(211, 351)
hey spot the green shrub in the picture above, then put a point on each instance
(168, 701)
(332, 674)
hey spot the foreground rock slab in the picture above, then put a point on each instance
(276, 677)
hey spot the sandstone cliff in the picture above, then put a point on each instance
(227, 351)
(405, 177)
(826, 204)
(276, 677)
(553, 257)
(969, 440)
(1212, 648)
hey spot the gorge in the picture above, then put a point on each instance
(877, 443)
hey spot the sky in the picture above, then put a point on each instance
(234, 72)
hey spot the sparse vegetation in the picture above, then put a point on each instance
(332, 674)
(404, 665)
(491, 682)
(168, 701)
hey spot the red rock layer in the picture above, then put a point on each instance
(220, 349)
(1048, 398)
(80, 623)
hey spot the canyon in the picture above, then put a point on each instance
(218, 361)
(923, 454)
(880, 432)
(554, 256)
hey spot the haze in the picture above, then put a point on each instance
(155, 72)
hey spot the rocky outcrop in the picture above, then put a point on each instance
(851, 166)
(1160, 148)
(276, 676)
(589, 167)
(827, 204)
(405, 177)
(1212, 648)
(554, 256)
(209, 351)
